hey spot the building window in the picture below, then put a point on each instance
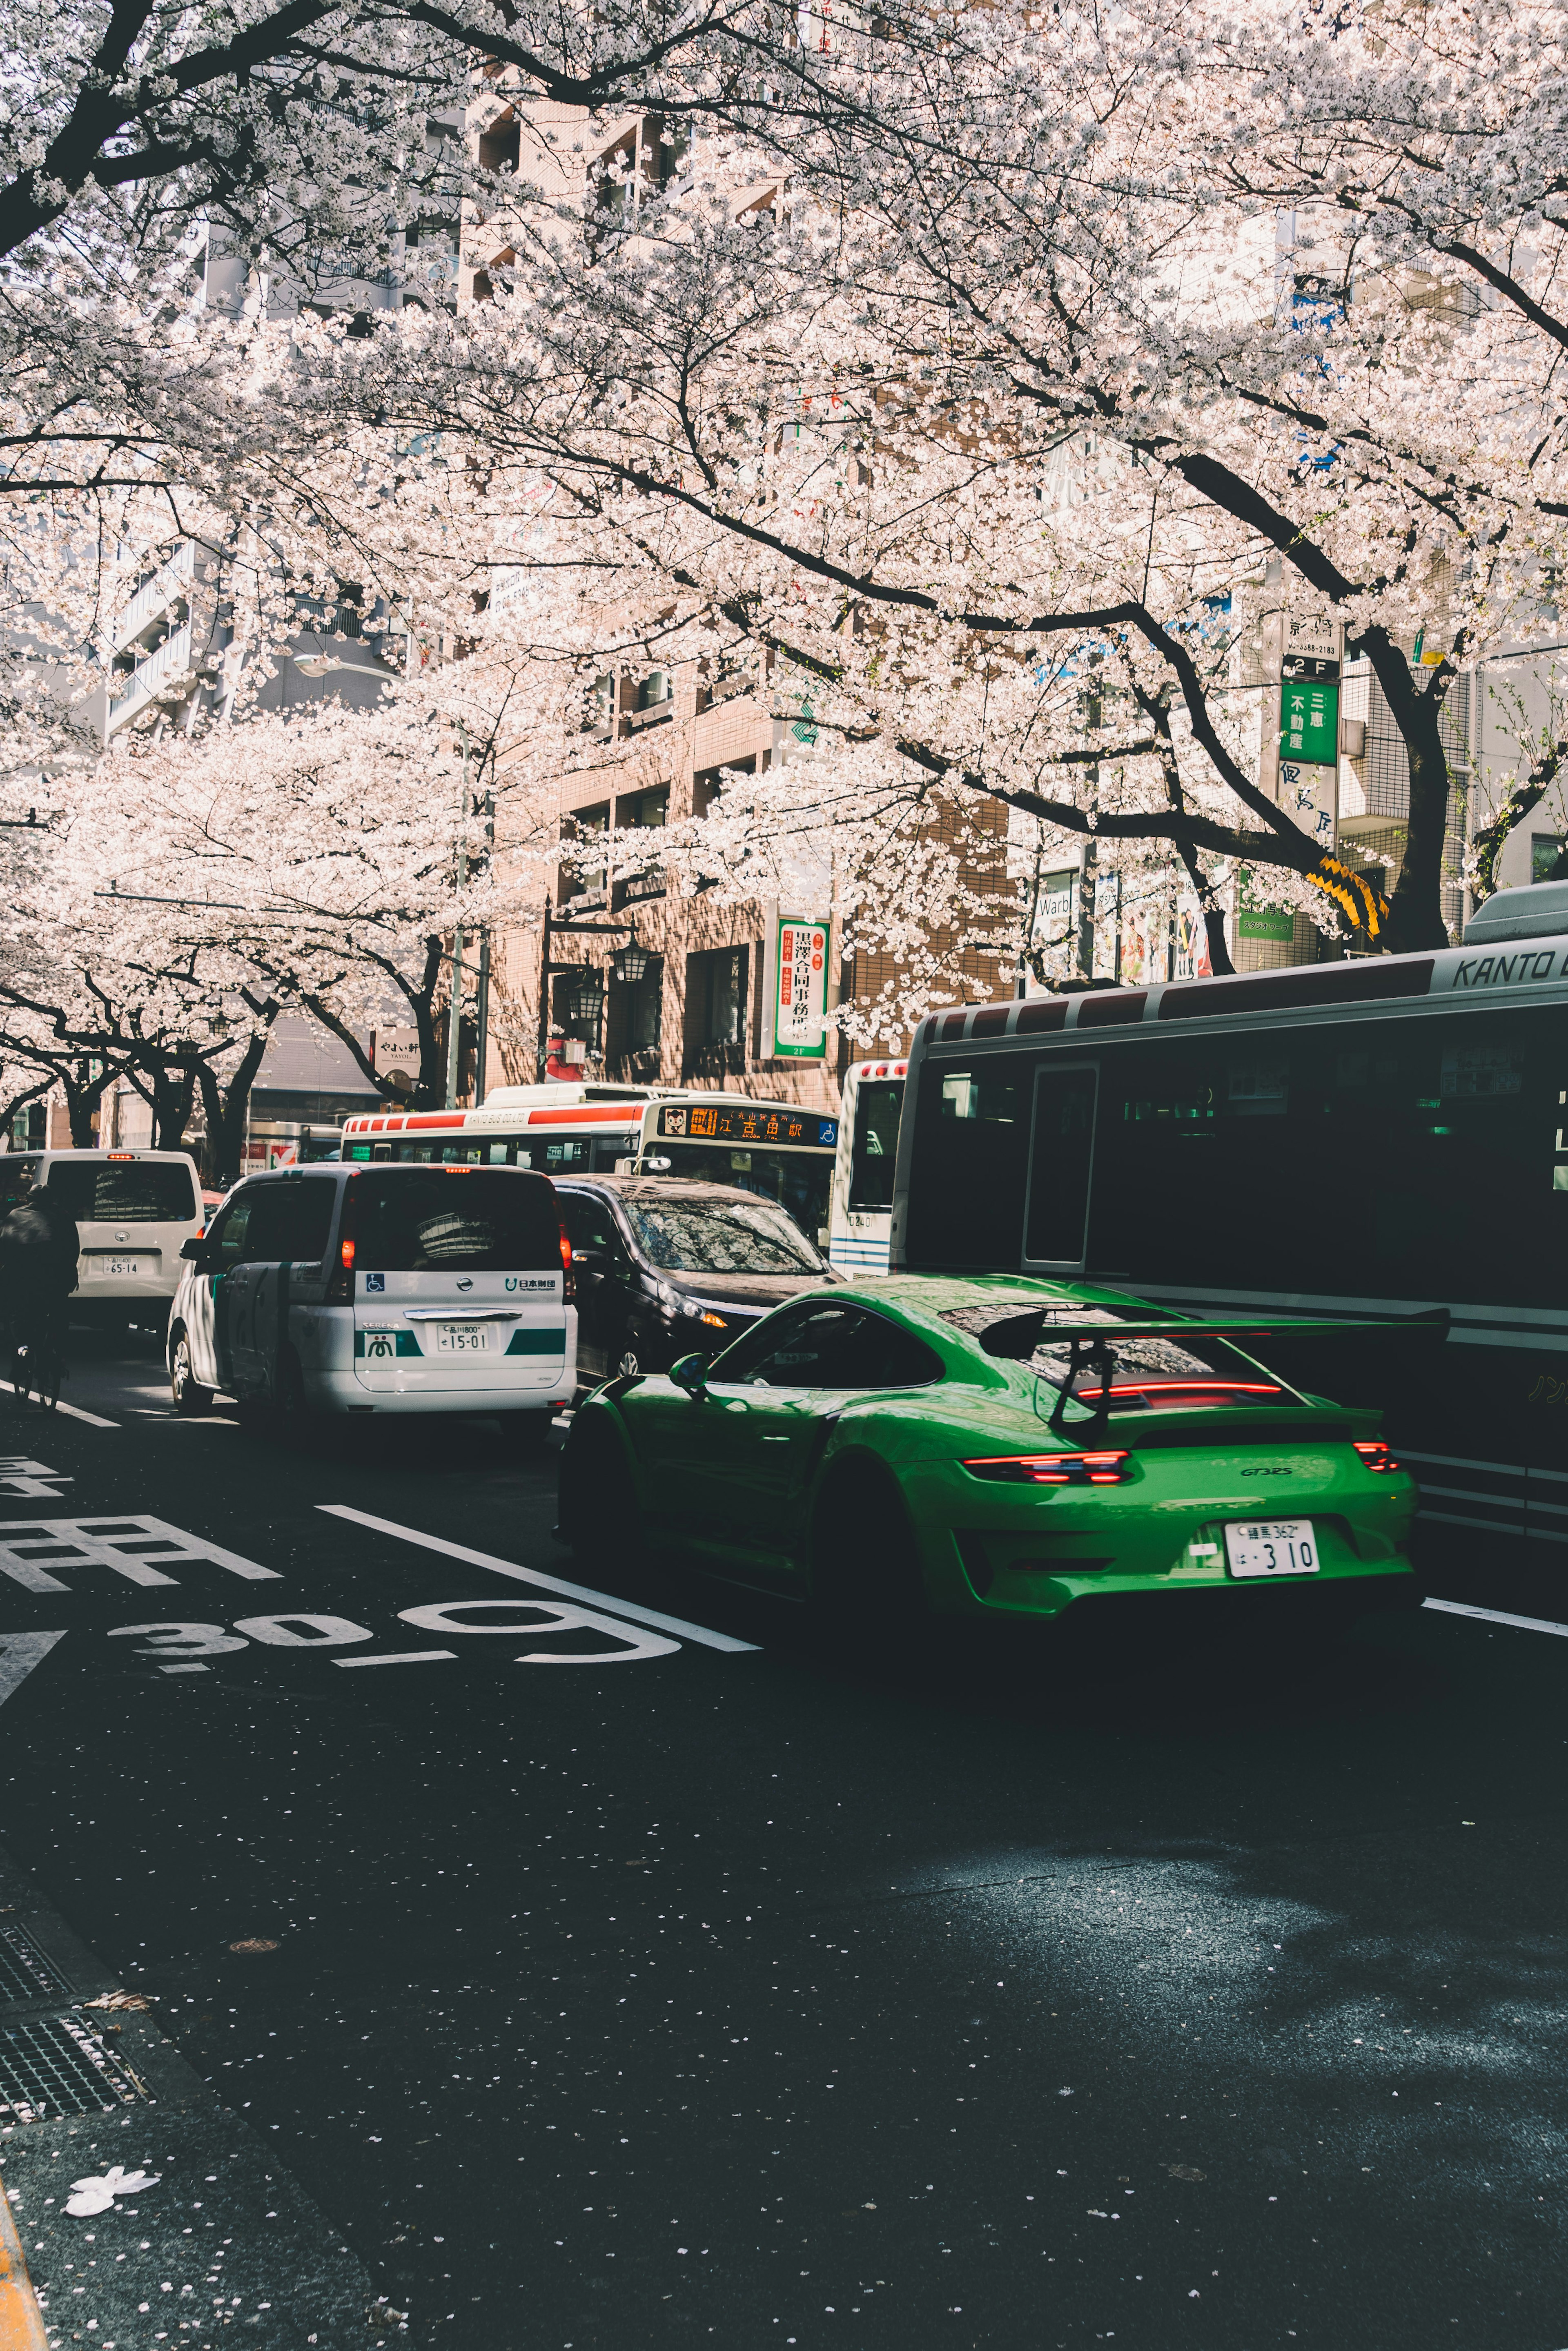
(636, 1011)
(500, 147)
(636, 813)
(715, 997)
(601, 707)
(579, 1007)
(583, 874)
(1545, 850)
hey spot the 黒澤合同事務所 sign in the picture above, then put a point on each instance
(801, 999)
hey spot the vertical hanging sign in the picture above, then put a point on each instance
(800, 998)
(1299, 765)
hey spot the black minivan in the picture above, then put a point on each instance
(665, 1267)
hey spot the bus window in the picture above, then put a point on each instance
(876, 1146)
(1059, 1173)
(1369, 1156)
(971, 1141)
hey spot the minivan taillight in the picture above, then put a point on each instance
(340, 1280)
(569, 1279)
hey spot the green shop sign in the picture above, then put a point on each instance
(1309, 721)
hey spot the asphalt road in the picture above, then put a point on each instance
(620, 1989)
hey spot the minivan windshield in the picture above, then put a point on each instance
(721, 1237)
(454, 1219)
(126, 1191)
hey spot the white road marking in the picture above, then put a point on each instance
(93, 1419)
(402, 1658)
(130, 1544)
(31, 1480)
(548, 1616)
(698, 1632)
(19, 1653)
(1497, 1616)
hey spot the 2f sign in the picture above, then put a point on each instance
(799, 1013)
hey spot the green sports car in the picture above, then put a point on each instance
(992, 1446)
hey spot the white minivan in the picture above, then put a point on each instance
(387, 1289)
(134, 1212)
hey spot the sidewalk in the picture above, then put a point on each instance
(221, 2247)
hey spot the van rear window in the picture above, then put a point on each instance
(126, 1191)
(459, 1220)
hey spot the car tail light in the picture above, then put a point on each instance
(568, 1279)
(1376, 1454)
(340, 1280)
(1054, 1468)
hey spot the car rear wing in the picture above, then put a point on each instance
(1017, 1336)
(1089, 1338)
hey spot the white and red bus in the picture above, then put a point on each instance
(861, 1218)
(775, 1149)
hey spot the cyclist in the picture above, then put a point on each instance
(39, 1250)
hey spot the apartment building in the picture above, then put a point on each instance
(669, 986)
(653, 980)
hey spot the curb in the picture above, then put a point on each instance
(21, 2320)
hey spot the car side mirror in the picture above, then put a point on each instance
(691, 1373)
(196, 1249)
(588, 1257)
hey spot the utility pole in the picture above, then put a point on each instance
(454, 996)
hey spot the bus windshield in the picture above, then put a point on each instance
(728, 1236)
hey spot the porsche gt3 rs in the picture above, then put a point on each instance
(993, 1446)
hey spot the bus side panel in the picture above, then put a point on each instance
(1386, 1164)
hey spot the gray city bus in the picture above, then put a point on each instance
(1383, 1136)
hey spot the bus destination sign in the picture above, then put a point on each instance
(748, 1122)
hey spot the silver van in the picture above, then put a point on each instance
(387, 1289)
(134, 1212)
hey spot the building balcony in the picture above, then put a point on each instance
(150, 677)
(151, 600)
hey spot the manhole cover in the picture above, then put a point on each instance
(25, 1972)
(255, 1943)
(56, 2066)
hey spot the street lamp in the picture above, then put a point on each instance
(631, 964)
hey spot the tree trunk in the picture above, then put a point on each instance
(174, 1093)
(1416, 910)
(224, 1108)
(83, 1096)
(1491, 841)
(429, 1087)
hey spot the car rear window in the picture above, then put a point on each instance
(126, 1191)
(1155, 1375)
(454, 1219)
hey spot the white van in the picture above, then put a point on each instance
(134, 1212)
(386, 1289)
